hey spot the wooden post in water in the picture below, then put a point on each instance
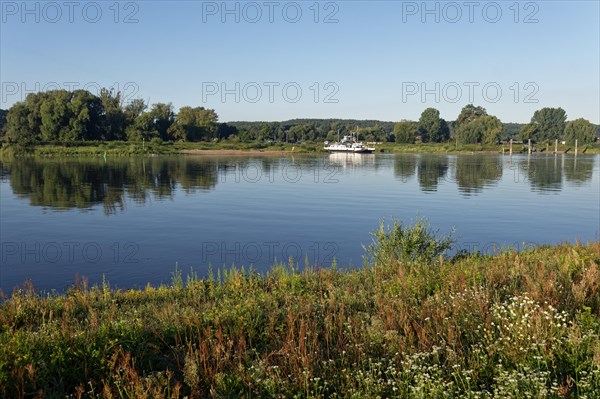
(556, 146)
(529, 147)
(510, 149)
(576, 146)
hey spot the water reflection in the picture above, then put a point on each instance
(544, 173)
(474, 173)
(431, 169)
(578, 170)
(84, 183)
(405, 166)
(349, 160)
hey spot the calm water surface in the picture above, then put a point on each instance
(135, 220)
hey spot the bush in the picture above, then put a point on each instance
(413, 244)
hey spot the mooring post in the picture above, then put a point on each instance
(576, 146)
(556, 146)
(529, 147)
(510, 149)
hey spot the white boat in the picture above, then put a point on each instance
(348, 145)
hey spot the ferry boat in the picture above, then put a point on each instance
(348, 145)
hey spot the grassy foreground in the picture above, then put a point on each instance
(509, 325)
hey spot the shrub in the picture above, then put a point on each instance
(418, 243)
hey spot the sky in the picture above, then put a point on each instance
(280, 60)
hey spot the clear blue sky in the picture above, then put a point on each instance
(372, 61)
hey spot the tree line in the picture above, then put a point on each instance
(475, 126)
(303, 130)
(73, 116)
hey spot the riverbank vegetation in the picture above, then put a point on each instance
(411, 323)
(155, 147)
(158, 147)
(69, 119)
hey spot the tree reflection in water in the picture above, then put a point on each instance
(64, 183)
(474, 173)
(431, 169)
(83, 183)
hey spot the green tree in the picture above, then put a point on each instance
(331, 136)
(433, 128)
(372, 133)
(550, 123)
(580, 129)
(113, 118)
(134, 109)
(54, 112)
(163, 117)
(493, 129)
(142, 128)
(405, 131)
(34, 104)
(528, 132)
(225, 131)
(246, 135)
(511, 130)
(295, 133)
(17, 125)
(3, 113)
(67, 116)
(468, 114)
(444, 132)
(147, 125)
(25, 121)
(483, 129)
(194, 124)
(85, 113)
(264, 133)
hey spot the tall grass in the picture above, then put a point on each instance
(409, 324)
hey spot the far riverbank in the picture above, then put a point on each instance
(117, 148)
